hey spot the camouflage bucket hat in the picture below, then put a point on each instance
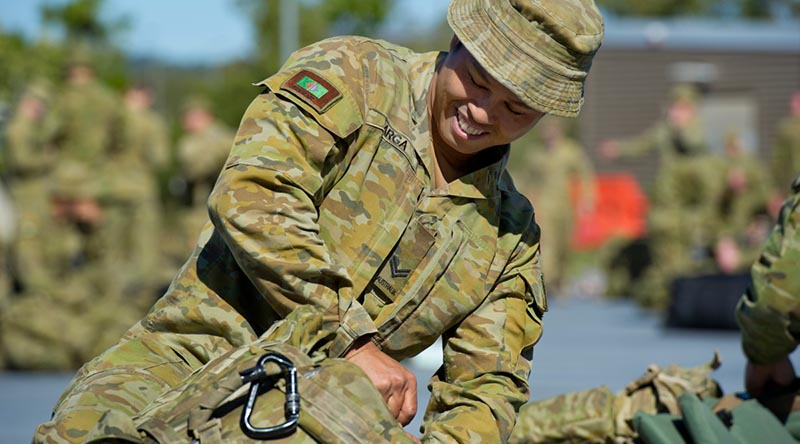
(541, 50)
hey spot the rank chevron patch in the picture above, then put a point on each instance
(397, 272)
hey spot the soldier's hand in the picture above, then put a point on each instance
(396, 383)
(608, 150)
(758, 377)
(87, 211)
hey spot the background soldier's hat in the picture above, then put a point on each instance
(539, 49)
(196, 102)
(683, 92)
(80, 55)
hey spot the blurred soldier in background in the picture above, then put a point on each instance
(78, 310)
(133, 214)
(201, 153)
(558, 179)
(682, 195)
(680, 223)
(679, 134)
(29, 158)
(786, 150)
(741, 220)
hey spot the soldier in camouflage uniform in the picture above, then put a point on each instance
(29, 158)
(767, 311)
(680, 225)
(549, 172)
(79, 310)
(201, 154)
(683, 195)
(680, 133)
(786, 149)
(369, 181)
(742, 220)
(133, 216)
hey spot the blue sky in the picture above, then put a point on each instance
(187, 31)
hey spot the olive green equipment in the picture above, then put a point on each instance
(281, 388)
(598, 416)
(673, 405)
(736, 418)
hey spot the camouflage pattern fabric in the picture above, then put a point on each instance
(786, 151)
(29, 159)
(668, 141)
(338, 403)
(739, 207)
(596, 416)
(546, 176)
(74, 285)
(200, 156)
(767, 311)
(133, 211)
(679, 133)
(327, 200)
(681, 224)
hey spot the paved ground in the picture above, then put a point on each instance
(586, 343)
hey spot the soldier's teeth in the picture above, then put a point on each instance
(468, 129)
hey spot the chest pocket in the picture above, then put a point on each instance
(391, 281)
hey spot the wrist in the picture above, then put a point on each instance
(359, 345)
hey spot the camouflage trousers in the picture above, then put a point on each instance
(598, 416)
(168, 399)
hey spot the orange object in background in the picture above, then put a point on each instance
(620, 210)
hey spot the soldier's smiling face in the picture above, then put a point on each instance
(470, 110)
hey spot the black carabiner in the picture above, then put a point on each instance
(255, 376)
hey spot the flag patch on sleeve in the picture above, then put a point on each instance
(313, 89)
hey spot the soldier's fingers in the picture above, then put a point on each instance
(395, 403)
(409, 406)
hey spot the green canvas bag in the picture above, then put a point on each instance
(699, 422)
(281, 388)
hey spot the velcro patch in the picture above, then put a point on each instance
(313, 89)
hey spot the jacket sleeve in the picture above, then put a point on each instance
(768, 312)
(483, 382)
(285, 158)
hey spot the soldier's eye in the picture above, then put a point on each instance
(513, 110)
(475, 82)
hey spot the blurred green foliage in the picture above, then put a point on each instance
(81, 22)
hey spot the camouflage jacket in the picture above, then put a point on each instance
(327, 198)
(786, 152)
(767, 313)
(668, 141)
(201, 156)
(142, 152)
